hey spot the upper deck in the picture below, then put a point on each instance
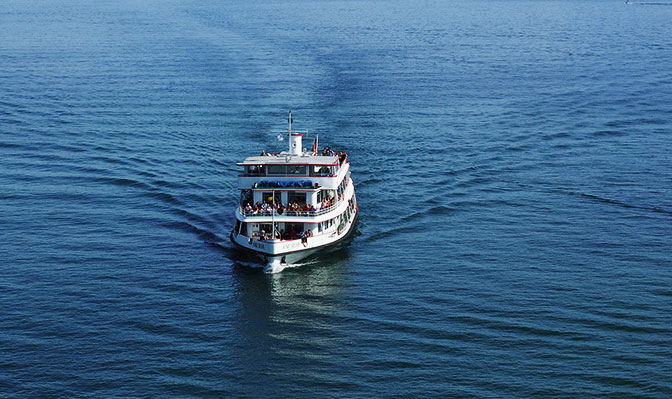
(284, 158)
(284, 165)
(324, 168)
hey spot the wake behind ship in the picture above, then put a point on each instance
(294, 203)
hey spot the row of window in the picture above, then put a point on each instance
(292, 230)
(324, 226)
(299, 197)
(284, 170)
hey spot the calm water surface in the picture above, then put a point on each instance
(513, 166)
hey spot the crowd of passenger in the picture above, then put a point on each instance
(291, 209)
(326, 151)
(342, 156)
(286, 235)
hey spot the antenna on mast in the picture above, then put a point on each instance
(294, 138)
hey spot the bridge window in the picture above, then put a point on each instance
(321, 170)
(296, 170)
(277, 170)
(255, 170)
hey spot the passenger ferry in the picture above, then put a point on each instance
(294, 203)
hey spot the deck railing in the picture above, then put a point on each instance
(287, 212)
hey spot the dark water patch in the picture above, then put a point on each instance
(652, 121)
(624, 205)
(662, 292)
(607, 133)
(649, 4)
(171, 185)
(388, 233)
(203, 235)
(12, 122)
(166, 198)
(621, 326)
(474, 182)
(123, 182)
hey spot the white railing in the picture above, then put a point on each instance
(287, 212)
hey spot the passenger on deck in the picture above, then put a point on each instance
(342, 156)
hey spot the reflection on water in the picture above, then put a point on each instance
(293, 317)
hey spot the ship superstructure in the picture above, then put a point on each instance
(294, 203)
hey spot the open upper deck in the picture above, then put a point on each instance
(287, 159)
(293, 166)
(296, 162)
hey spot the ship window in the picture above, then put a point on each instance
(255, 170)
(267, 196)
(320, 170)
(265, 229)
(297, 197)
(292, 230)
(296, 169)
(277, 169)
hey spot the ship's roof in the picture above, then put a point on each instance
(283, 159)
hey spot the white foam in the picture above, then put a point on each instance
(283, 266)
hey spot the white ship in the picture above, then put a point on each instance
(294, 203)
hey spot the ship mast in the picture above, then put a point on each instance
(294, 138)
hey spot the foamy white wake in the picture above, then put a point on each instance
(279, 268)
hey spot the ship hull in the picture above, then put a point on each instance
(276, 256)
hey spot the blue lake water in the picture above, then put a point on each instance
(513, 165)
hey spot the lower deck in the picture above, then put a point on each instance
(276, 251)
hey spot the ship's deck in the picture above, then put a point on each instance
(287, 159)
